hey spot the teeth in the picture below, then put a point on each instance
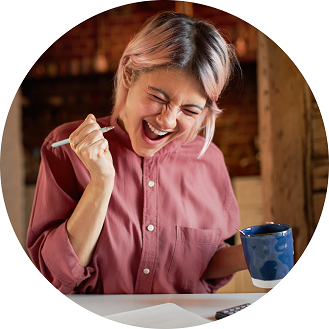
(160, 133)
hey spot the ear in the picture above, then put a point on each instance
(128, 76)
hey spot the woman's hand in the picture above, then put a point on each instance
(92, 148)
(227, 261)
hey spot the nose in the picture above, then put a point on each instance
(167, 118)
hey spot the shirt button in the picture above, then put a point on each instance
(146, 271)
(150, 228)
(151, 183)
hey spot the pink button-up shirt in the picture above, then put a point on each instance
(167, 217)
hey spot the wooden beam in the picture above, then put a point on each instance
(282, 132)
(184, 7)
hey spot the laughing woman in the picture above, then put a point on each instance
(146, 207)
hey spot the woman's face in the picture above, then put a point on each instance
(161, 106)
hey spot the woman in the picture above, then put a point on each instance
(146, 207)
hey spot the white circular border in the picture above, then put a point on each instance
(28, 28)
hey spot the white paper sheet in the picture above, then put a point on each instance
(164, 316)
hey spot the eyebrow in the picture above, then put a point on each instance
(167, 97)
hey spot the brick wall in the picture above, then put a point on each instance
(74, 77)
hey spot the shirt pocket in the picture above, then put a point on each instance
(193, 250)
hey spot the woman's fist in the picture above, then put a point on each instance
(89, 144)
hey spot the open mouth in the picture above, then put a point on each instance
(152, 133)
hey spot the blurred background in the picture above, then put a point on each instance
(271, 131)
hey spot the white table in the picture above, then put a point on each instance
(204, 305)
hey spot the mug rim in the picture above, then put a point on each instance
(288, 228)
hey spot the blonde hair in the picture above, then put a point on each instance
(175, 40)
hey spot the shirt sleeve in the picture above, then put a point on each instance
(231, 216)
(212, 285)
(55, 199)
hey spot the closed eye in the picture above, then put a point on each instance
(159, 99)
(189, 112)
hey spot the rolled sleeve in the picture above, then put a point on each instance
(212, 285)
(61, 260)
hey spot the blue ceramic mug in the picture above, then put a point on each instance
(269, 253)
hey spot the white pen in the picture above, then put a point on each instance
(67, 141)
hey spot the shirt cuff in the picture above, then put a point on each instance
(61, 260)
